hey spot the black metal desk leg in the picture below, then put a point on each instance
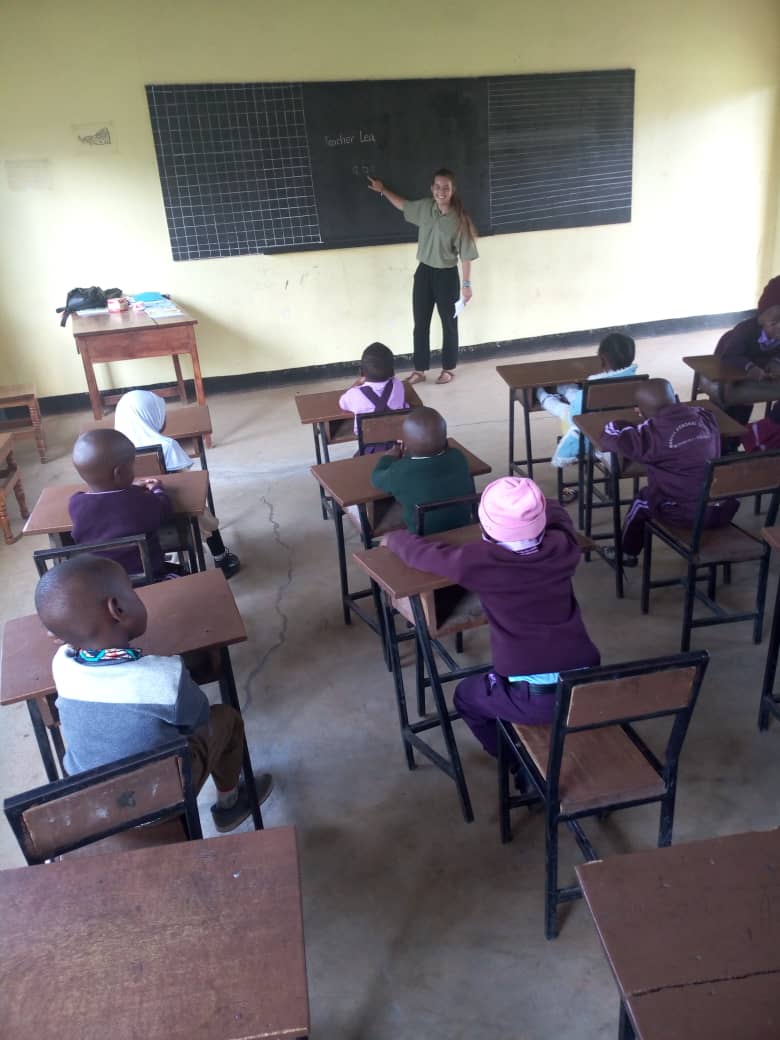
(625, 1029)
(205, 467)
(229, 694)
(511, 432)
(770, 669)
(318, 457)
(42, 737)
(614, 477)
(398, 679)
(197, 542)
(424, 645)
(338, 520)
(529, 454)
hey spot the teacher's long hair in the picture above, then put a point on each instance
(465, 223)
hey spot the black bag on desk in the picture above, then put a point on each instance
(81, 299)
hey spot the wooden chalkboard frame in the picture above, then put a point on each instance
(280, 167)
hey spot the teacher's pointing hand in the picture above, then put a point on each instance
(376, 185)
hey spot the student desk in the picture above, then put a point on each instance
(191, 423)
(200, 940)
(439, 605)
(10, 479)
(348, 483)
(523, 380)
(692, 935)
(130, 335)
(23, 395)
(196, 612)
(730, 385)
(187, 491)
(591, 425)
(332, 425)
(713, 370)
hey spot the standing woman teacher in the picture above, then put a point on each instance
(446, 235)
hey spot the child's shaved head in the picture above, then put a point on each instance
(652, 395)
(424, 432)
(88, 601)
(104, 459)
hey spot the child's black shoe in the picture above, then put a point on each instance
(228, 563)
(227, 819)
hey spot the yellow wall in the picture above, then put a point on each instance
(704, 236)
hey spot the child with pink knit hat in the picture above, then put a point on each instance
(522, 572)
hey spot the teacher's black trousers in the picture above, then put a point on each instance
(439, 287)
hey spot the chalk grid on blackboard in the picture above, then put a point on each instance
(234, 166)
(560, 150)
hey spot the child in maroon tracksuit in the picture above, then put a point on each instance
(522, 572)
(675, 442)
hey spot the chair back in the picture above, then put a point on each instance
(623, 694)
(424, 510)
(379, 427)
(79, 810)
(45, 557)
(601, 395)
(737, 476)
(150, 461)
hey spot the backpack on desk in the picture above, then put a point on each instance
(82, 299)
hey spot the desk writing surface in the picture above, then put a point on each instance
(123, 321)
(592, 423)
(716, 369)
(348, 481)
(196, 612)
(191, 420)
(689, 913)
(187, 491)
(531, 374)
(324, 406)
(200, 940)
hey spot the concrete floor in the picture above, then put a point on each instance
(416, 923)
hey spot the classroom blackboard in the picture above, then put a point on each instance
(270, 167)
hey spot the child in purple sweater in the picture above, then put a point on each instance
(113, 506)
(522, 571)
(675, 442)
(376, 390)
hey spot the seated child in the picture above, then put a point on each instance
(616, 354)
(675, 442)
(140, 415)
(377, 389)
(522, 572)
(423, 468)
(114, 701)
(114, 506)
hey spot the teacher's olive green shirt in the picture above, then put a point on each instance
(439, 244)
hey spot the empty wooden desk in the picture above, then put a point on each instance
(348, 483)
(187, 492)
(523, 379)
(712, 369)
(330, 424)
(201, 940)
(22, 395)
(196, 612)
(133, 335)
(10, 480)
(692, 934)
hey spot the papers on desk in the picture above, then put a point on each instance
(90, 312)
(162, 309)
(460, 306)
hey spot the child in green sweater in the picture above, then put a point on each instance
(423, 468)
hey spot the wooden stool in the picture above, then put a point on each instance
(22, 395)
(10, 477)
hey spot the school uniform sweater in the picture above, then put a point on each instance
(110, 711)
(359, 403)
(741, 348)
(100, 516)
(675, 445)
(431, 478)
(534, 619)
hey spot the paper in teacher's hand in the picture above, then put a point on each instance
(460, 306)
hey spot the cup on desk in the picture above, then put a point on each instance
(118, 303)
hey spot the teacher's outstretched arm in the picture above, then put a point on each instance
(395, 200)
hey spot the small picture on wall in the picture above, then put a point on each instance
(94, 138)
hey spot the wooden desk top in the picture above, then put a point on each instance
(196, 612)
(124, 321)
(592, 423)
(348, 481)
(200, 940)
(50, 515)
(715, 368)
(399, 580)
(14, 391)
(529, 375)
(324, 407)
(687, 916)
(191, 420)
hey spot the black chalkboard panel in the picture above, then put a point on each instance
(267, 167)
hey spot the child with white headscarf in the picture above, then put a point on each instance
(140, 416)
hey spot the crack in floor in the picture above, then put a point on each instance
(280, 591)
